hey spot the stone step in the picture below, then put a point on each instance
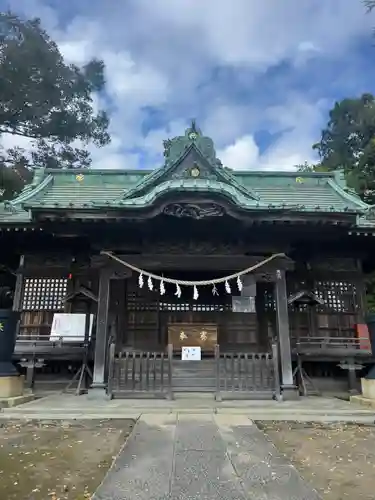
(135, 412)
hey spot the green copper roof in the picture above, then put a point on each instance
(100, 189)
(190, 167)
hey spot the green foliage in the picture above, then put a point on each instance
(369, 4)
(306, 167)
(46, 100)
(348, 142)
(13, 180)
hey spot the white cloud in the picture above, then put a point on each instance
(243, 154)
(255, 33)
(134, 84)
(296, 124)
(162, 54)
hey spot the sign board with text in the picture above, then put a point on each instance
(70, 327)
(191, 353)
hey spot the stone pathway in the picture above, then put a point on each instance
(201, 457)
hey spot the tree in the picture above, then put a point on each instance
(45, 100)
(306, 167)
(369, 4)
(348, 142)
(13, 180)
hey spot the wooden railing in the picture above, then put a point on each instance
(340, 346)
(142, 373)
(247, 374)
(237, 375)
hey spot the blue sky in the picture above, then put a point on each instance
(258, 75)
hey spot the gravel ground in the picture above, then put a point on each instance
(57, 460)
(338, 459)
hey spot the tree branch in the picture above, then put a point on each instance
(369, 4)
(18, 132)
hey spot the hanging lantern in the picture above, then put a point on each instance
(227, 287)
(150, 283)
(195, 293)
(239, 283)
(140, 281)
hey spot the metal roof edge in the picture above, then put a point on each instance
(31, 191)
(347, 196)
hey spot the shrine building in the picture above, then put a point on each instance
(260, 273)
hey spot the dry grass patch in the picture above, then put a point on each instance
(57, 460)
(337, 459)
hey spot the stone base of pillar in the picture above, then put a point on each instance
(289, 392)
(367, 398)
(11, 387)
(98, 393)
(368, 388)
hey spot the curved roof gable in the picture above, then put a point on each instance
(190, 156)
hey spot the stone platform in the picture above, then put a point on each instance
(309, 409)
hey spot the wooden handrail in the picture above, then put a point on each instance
(331, 343)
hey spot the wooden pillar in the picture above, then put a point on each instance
(98, 387)
(10, 326)
(17, 298)
(282, 324)
(360, 288)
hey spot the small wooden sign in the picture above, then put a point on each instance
(203, 335)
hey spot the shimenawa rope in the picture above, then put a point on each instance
(194, 283)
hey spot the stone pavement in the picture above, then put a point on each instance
(201, 457)
(311, 409)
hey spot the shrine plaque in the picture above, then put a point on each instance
(203, 335)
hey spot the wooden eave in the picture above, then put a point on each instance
(255, 216)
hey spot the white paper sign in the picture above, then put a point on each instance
(191, 354)
(70, 327)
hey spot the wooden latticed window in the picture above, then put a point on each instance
(41, 298)
(44, 294)
(338, 296)
(338, 315)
